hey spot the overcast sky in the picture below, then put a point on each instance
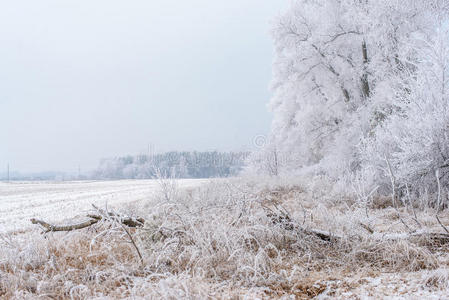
(82, 80)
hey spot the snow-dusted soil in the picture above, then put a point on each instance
(56, 201)
(425, 284)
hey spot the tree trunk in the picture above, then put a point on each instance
(366, 91)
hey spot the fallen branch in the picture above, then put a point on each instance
(128, 221)
(50, 228)
(323, 235)
(431, 238)
(94, 218)
(286, 222)
(428, 238)
(366, 227)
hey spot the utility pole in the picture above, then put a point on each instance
(150, 151)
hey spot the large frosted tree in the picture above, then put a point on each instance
(342, 69)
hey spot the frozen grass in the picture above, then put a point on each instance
(229, 239)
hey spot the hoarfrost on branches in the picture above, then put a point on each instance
(356, 82)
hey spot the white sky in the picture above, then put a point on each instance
(82, 80)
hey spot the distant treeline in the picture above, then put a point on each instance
(38, 176)
(178, 164)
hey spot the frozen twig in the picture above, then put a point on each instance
(116, 218)
(393, 194)
(438, 203)
(415, 218)
(366, 227)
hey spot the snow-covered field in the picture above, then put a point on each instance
(56, 201)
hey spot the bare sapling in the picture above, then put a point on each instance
(439, 202)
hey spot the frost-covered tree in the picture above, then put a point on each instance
(416, 137)
(266, 161)
(342, 69)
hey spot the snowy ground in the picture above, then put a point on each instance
(56, 201)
